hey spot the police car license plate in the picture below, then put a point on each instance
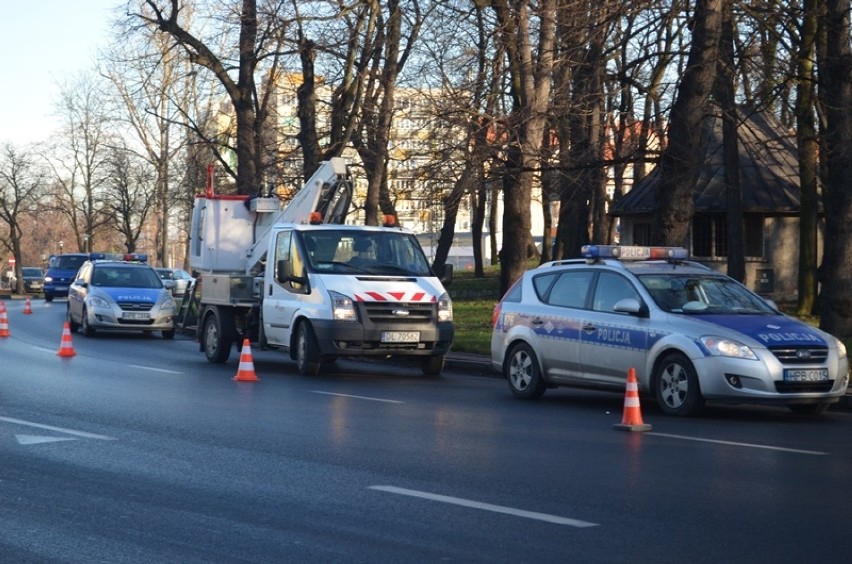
(400, 336)
(135, 315)
(805, 375)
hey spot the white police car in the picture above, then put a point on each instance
(691, 334)
(120, 294)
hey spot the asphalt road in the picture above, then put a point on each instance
(138, 450)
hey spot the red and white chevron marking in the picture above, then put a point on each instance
(394, 297)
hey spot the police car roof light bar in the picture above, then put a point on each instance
(630, 252)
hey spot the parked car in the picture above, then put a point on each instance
(175, 279)
(33, 279)
(691, 334)
(120, 294)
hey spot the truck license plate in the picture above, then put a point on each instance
(806, 375)
(135, 315)
(400, 336)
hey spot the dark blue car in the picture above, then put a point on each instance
(60, 274)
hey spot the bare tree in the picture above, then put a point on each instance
(78, 160)
(131, 196)
(21, 182)
(257, 48)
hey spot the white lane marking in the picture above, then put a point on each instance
(83, 434)
(152, 369)
(356, 397)
(139, 366)
(487, 506)
(746, 445)
(39, 439)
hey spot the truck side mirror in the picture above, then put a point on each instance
(284, 274)
(446, 274)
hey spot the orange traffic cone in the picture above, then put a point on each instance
(28, 307)
(66, 348)
(246, 370)
(632, 418)
(4, 321)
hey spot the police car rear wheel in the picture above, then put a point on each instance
(523, 374)
(676, 386)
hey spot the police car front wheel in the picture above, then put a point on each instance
(676, 386)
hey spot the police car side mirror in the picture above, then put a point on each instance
(631, 306)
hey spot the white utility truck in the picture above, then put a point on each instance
(300, 280)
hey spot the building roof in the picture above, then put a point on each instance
(769, 170)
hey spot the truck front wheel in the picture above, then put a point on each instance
(217, 346)
(432, 365)
(307, 350)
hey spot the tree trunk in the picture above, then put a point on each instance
(806, 140)
(725, 92)
(681, 161)
(836, 73)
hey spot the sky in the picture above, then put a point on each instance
(44, 43)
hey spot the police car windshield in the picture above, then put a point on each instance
(348, 251)
(697, 294)
(117, 276)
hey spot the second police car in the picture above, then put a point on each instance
(120, 295)
(691, 334)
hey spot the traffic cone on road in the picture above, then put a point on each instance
(28, 307)
(246, 370)
(4, 321)
(632, 418)
(66, 348)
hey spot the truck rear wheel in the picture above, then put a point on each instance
(217, 346)
(307, 350)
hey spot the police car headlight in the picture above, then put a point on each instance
(97, 301)
(445, 308)
(841, 348)
(720, 346)
(169, 303)
(342, 308)
(48, 279)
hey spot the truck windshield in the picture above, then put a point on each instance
(350, 251)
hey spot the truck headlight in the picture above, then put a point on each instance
(445, 308)
(342, 308)
(721, 346)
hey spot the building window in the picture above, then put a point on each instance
(710, 235)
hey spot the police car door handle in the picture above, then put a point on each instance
(537, 321)
(588, 327)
